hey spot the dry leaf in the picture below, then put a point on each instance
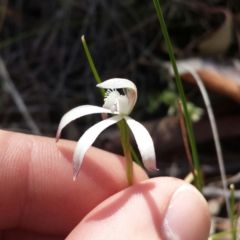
(219, 41)
(222, 78)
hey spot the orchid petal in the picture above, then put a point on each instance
(144, 142)
(87, 140)
(77, 113)
(116, 83)
(128, 86)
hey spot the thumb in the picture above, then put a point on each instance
(159, 208)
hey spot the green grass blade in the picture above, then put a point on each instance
(181, 93)
(220, 235)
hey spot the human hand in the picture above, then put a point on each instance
(39, 200)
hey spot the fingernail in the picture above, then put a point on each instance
(187, 216)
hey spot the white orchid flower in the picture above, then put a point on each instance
(114, 103)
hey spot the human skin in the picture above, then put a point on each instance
(39, 200)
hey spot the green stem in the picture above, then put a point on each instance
(181, 93)
(91, 63)
(126, 149)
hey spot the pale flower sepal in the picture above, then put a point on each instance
(78, 112)
(144, 142)
(87, 140)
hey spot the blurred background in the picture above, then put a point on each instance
(44, 71)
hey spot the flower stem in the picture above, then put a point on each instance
(126, 149)
(181, 93)
(91, 63)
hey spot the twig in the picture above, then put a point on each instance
(185, 139)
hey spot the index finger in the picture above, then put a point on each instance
(36, 187)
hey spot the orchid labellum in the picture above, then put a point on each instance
(120, 106)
